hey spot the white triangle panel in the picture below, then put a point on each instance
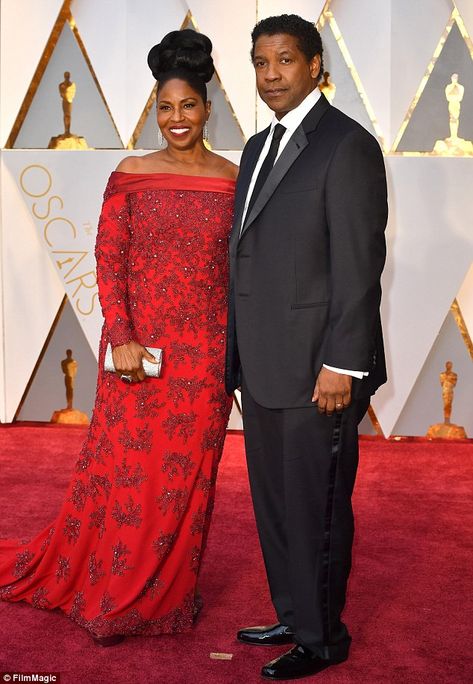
(229, 28)
(307, 9)
(416, 31)
(108, 57)
(465, 300)
(429, 253)
(121, 65)
(465, 8)
(32, 291)
(25, 28)
(362, 23)
(347, 95)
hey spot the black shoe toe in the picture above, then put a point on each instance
(296, 663)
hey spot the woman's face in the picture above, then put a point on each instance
(181, 114)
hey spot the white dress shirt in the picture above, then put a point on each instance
(290, 121)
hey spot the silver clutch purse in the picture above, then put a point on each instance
(152, 370)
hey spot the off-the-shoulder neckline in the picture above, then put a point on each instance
(175, 175)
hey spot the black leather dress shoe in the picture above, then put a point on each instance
(272, 635)
(296, 663)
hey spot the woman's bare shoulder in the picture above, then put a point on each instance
(128, 165)
(233, 169)
(226, 168)
(135, 164)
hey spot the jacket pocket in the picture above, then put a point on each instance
(309, 305)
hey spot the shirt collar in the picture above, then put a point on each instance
(294, 118)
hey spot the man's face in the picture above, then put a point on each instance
(284, 77)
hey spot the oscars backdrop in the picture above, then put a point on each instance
(76, 96)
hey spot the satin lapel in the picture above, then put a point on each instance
(244, 179)
(293, 149)
(288, 156)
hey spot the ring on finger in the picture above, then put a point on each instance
(128, 379)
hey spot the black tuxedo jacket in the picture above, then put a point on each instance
(305, 267)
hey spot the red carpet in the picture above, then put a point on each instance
(410, 599)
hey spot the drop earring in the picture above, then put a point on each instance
(205, 133)
(160, 138)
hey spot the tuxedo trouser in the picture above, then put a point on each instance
(302, 468)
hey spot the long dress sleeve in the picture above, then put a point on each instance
(111, 254)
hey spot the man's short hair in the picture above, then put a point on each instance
(308, 38)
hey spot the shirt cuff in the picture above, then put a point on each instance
(355, 374)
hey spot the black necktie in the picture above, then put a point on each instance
(267, 165)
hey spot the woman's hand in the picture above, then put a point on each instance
(128, 360)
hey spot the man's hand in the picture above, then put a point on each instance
(332, 391)
(127, 359)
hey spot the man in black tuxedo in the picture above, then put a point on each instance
(304, 337)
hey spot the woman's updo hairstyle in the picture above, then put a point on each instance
(185, 55)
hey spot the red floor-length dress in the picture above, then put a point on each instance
(124, 553)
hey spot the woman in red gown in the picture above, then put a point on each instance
(123, 556)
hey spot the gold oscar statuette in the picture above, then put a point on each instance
(69, 415)
(327, 87)
(447, 430)
(453, 145)
(67, 140)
